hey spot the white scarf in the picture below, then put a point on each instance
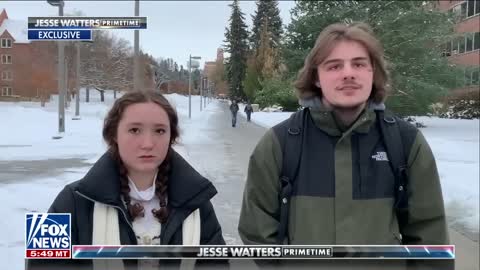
(106, 232)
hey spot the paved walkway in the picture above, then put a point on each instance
(223, 159)
(466, 251)
(24, 170)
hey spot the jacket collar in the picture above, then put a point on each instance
(186, 187)
(324, 119)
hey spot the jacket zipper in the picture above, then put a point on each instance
(398, 237)
(359, 160)
(111, 205)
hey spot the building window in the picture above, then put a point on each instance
(461, 44)
(476, 41)
(467, 9)
(449, 49)
(472, 76)
(6, 59)
(7, 91)
(6, 43)
(468, 76)
(463, 8)
(460, 10)
(476, 77)
(7, 75)
(455, 46)
(471, 8)
(469, 42)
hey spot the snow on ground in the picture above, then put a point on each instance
(189, 127)
(30, 128)
(25, 197)
(265, 119)
(455, 144)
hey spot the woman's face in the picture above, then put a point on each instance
(143, 137)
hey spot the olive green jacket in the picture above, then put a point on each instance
(344, 216)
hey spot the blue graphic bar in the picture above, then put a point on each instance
(66, 34)
(265, 252)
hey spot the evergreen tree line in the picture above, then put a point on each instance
(264, 61)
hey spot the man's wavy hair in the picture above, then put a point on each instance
(326, 41)
(110, 128)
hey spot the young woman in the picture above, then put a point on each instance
(140, 192)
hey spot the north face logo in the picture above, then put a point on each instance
(380, 156)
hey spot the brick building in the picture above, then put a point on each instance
(209, 69)
(465, 50)
(28, 69)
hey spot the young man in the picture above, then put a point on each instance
(248, 110)
(345, 189)
(234, 110)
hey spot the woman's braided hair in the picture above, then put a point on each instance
(110, 128)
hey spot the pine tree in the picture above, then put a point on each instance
(266, 9)
(412, 34)
(236, 44)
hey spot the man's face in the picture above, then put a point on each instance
(346, 76)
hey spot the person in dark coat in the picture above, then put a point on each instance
(234, 109)
(248, 110)
(141, 188)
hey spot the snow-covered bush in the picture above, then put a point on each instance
(462, 104)
(462, 109)
(414, 122)
(273, 108)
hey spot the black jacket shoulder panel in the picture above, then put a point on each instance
(211, 230)
(280, 130)
(65, 200)
(186, 187)
(101, 183)
(408, 133)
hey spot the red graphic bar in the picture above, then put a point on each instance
(48, 254)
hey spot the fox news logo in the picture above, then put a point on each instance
(47, 235)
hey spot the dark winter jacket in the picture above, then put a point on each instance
(234, 107)
(187, 191)
(248, 108)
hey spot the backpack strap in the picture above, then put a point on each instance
(292, 152)
(392, 138)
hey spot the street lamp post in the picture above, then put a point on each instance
(77, 94)
(201, 92)
(137, 79)
(205, 92)
(212, 89)
(190, 83)
(61, 76)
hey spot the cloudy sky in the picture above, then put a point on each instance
(175, 29)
